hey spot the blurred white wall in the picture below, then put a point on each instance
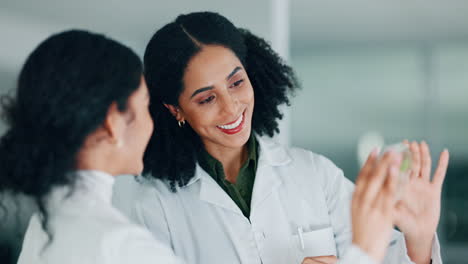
(25, 23)
(350, 90)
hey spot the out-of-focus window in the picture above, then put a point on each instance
(397, 92)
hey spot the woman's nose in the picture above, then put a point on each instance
(230, 106)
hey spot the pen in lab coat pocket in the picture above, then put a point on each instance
(301, 238)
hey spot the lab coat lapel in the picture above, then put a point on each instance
(267, 179)
(211, 192)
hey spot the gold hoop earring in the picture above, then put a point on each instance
(181, 123)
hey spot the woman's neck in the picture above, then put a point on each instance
(95, 159)
(232, 159)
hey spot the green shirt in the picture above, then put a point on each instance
(241, 191)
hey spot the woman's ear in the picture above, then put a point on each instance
(175, 111)
(114, 125)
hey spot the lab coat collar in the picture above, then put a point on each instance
(196, 177)
(272, 153)
(267, 180)
(211, 192)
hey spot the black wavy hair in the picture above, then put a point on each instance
(63, 94)
(172, 152)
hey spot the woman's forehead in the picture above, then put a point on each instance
(211, 64)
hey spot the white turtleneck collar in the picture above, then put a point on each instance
(90, 186)
(93, 182)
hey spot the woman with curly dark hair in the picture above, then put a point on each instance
(216, 191)
(80, 117)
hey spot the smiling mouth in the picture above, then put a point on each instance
(233, 127)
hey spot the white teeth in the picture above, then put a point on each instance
(233, 125)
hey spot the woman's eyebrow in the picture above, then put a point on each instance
(233, 72)
(211, 87)
(201, 90)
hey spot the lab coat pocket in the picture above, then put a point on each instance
(320, 242)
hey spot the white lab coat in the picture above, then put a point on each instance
(300, 207)
(87, 229)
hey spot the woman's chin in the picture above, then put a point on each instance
(238, 140)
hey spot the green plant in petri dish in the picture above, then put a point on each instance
(405, 166)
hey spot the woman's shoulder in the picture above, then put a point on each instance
(128, 189)
(134, 244)
(145, 191)
(305, 169)
(89, 236)
(295, 156)
(126, 242)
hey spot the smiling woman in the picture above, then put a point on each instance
(208, 77)
(220, 112)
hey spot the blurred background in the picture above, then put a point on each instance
(372, 72)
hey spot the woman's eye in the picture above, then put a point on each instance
(237, 83)
(207, 100)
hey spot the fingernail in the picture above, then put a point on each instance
(375, 151)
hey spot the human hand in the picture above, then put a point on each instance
(373, 204)
(418, 211)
